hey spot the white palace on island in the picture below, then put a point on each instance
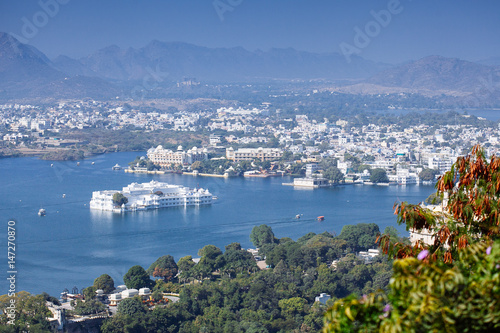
(152, 195)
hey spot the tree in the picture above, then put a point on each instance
(428, 174)
(470, 192)
(379, 176)
(184, 265)
(360, 237)
(104, 282)
(164, 267)
(211, 260)
(119, 199)
(333, 174)
(450, 285)
(429, 295)
(137, 278)
(30, 313)
(261, 235)
(88, 307)
(131, 306)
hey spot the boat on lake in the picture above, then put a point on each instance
(42, 212)
(321, 218)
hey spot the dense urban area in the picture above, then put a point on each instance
(411, 146)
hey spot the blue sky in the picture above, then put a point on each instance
(464, 29)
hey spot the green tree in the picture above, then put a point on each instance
(210, 261)
(360, 237)
(137, 278)
(428, 295)
(164, 267)
(261, 235)
(185, 264)
(30, 313)
(428, 174)
(119, 199)
(292, 306)
(378, 176)
(333, 174)
(131, 306)
(104, 282)
(88, 307)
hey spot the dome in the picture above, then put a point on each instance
(115, 297)
(179, 148)
(144, 291)
(121, 287)
(129, 293)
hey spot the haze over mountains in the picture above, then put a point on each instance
(25, 72)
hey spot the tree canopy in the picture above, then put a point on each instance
(104, 282)
(164, 267)
(137, 278)
(378, 176)
(119, 199)
(261, 235)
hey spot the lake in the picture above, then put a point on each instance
(72, 245)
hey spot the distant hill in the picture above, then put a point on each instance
(223, 64)
(492, 61)
(25, 72)
(437, 74)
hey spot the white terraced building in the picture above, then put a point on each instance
(152, 195)
(166, 157)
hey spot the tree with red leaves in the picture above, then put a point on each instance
(470, 192)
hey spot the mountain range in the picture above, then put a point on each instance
(25, 72)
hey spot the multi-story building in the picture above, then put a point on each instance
(249, 154)
(166, 157)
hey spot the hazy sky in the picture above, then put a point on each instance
(464, 29)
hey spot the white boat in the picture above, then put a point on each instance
(93, 163)
(116, 167)
(64, 195)
(42, 212)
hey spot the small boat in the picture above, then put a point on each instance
(298, 216)
(77, 163)
(41, 212)
(64, 195)
(116, 167)
(93, 163)
(321, 218)
(51, 165)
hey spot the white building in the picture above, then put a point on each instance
(322, 298)
(166, 157)
(249, 154)
(441, 164)
(152, 195)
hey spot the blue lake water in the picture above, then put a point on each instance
(72, 245)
